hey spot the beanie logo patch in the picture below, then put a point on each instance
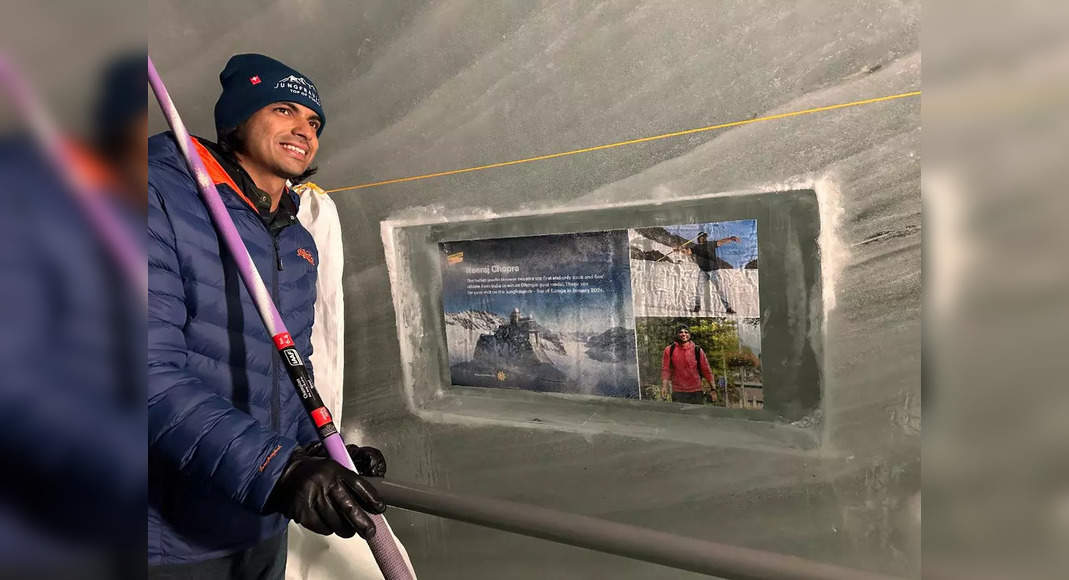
(255, 79)
(299, 86)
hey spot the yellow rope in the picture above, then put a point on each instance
(628, 142)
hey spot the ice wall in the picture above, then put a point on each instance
(413, 88)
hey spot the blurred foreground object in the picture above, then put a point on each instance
(72, 441)
(996, 457)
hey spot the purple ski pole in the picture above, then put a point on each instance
(384, 545)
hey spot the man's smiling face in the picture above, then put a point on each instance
(281, 139)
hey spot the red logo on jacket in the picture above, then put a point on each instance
(306, 255)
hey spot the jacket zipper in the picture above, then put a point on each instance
(276, 399)
(276, 394)
(278, 256)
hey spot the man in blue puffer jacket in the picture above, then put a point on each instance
(232, 453)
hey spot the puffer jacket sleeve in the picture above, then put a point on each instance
(202, 433)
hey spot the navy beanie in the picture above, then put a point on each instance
(253, 81)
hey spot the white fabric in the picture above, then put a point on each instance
(310, 555)
(319, 216)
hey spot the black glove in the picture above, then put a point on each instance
(323, 496)
(368, 460)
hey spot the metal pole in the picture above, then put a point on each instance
(729, 562)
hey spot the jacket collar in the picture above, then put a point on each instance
(225, 170)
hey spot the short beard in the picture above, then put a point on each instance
(232, 142)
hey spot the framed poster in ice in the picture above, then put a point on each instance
(766, 355)
(546, 313)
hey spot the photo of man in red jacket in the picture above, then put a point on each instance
(683, 367)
